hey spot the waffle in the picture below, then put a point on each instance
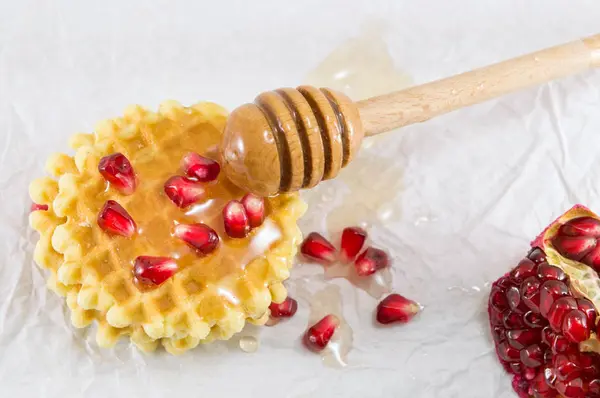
(209, 298)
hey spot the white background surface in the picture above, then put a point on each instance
(476, 184)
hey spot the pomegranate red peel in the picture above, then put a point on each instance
(117, 170)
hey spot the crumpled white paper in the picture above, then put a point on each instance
(467, 190)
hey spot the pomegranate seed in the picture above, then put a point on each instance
(536, 255)
(117, 170)
(508, 353)
(516, 368)
(496, 317)
(588, 362)
(523, 338)
(534, 320)
(548, 335)
(287, 309)
(353, 239)
(529, 373)
(575, 326)
(574, 247)
(317, 336)
(199, 236)
(396, 308)
(594, 387)
(581, 226)
(201, 168)
(255, 209)
(317, 248)
(572, 388)
(549, 292)
(588, 309)
(530, 292)
(36, 207)
(498, 334)
(115, 220)
(521, 386)
(235, 220)
(370, 261)
(523, 270)
(512, 320)
(540, 388)
(549, 375)
(547, 272)
(593, 258)
(559, 309)
(182, 191)
(154, 270)
(560, 344)
(565, 368)
(498, 299)
(513, 296)
(532, 356)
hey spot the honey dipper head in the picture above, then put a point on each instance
(290, 139)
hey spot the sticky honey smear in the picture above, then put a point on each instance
(584, 280)
(209, 298)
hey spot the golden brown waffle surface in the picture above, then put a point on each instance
(209, 297)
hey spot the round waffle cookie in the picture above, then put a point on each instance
(209, 296)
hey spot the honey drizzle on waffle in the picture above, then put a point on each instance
(210, 297)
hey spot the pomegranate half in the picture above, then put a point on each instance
(543, 313)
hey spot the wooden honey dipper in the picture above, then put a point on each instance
(290, 139)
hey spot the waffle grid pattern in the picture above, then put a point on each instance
(87, 268)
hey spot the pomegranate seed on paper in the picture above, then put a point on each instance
(318, 336)
(396, 309)
(353, 239)
(317, 248)
(286, 309)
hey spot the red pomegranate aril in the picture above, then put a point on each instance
(396, 309)
(560, 344)
(236, 220)
(508, 353)
(498, 334)
(559, 309)
(523, 270)
(594, 387)
(255, 209)
(565, 368)
(575, 326)
(496, 317)
(201, 168)
(593, 258)
(38, 207)
(574, 247)
(287, 309)
(521, 338)
(516, 368)
(154, 270)
(530, 293)
(573, 388)
(529, 373)
(199, 236)
(549, 375)
(370, 261)
(548, 272)
(183, 192)
(537, 255)
(353, 240)
(117, 170)
(539, 387)
(318, 336)
(513, 296)
(317, 248)
(581, 226)
(512, 320)
(549, 292)
(548, 336)
(498, 299)
(115, 220)
(534, 320)
(532, 356)
(504, 283)
(588, 309)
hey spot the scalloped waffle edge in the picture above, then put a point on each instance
(177, 314)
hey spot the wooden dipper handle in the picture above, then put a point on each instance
(290, 139)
